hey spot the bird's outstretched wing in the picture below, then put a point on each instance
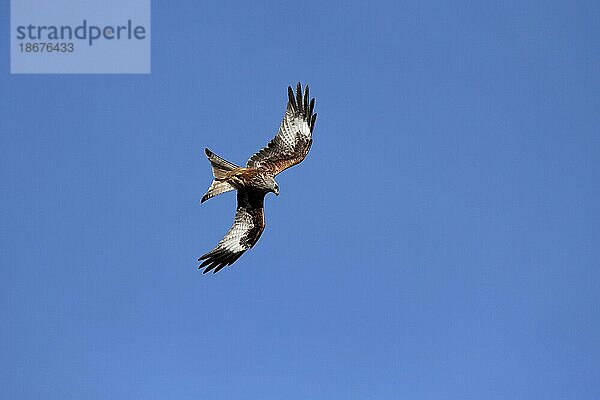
(294, 138)
(247, 227)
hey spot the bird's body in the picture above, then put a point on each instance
(288, 148)
(249, 177)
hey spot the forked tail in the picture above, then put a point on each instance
(220, 167)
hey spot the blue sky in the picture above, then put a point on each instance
(440, 241)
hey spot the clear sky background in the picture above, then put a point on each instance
(440, 241)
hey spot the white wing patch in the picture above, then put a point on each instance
(232, 240)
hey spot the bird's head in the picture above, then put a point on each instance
(272, 186)
(267, 183)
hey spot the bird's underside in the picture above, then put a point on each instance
(252, 182)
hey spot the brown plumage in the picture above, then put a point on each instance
(288, 148)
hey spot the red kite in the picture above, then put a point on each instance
(288, 148)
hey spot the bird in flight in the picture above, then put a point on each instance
(252, 182)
